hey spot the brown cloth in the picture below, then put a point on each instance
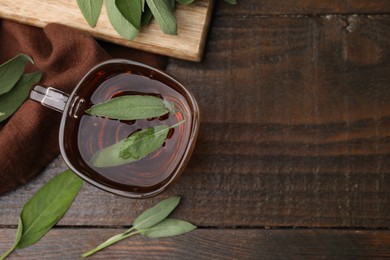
(29, 139)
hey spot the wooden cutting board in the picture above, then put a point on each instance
(193, 22)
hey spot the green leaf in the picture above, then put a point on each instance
(47, 207)
(164, 16)
(17, 239)
(135, 147)
(156, 214)
(185, 2)
(168, 228)
(120, 24)
(12, 100)
(130, 108)
(11, 71)
(131, 10)
(171, 4)
(91, 10)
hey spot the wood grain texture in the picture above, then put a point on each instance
(295, 130)
(210, 244)
(193, 21)
(304, 7)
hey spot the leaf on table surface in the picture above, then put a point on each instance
(12, 100)
(130, 108)
(169, 227)
(156, 214)
(48, 206)
(11, 71)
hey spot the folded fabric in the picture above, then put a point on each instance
(29, 139)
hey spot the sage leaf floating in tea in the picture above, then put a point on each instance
(152, 223)
(169, 227)
(131, 11)
(164, 16)
(120, 24)
(130, 108)
(156, 214)
(135, 147)
(91, 10)
(45, 209)
(11, 71)
(12, 100)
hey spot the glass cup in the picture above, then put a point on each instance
(82, 135)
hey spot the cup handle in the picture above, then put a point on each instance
(49, 97)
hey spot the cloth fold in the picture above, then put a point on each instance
(29, 139)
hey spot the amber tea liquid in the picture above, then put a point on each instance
(87, 134)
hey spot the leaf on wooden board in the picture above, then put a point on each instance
(120, 24)
(164, 16)
(169, 227)
(130, 108)
(48, 206)
(185, 2)
(156, 214)
(12, 100)
(11, 71)
(131, 10)
(91, 10)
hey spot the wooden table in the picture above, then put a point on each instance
(293, 156)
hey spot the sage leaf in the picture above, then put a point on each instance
(171, 4)
(47, 207)
(185, 2)
(11, 71)
(133, 148)
(156, 214)
(17, 239)
(130, 108)
(169, 227)
(91, 10)
(120, 24)
(131, 10)
(12, 100)
(164, 16)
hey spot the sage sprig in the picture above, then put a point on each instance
(152, 223)
(14, 86)
(45, 209)
(126, 16)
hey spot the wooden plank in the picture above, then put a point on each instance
(294, 131)
(303, 7)
(210, 244)
(193, 21)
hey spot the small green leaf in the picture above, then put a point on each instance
(12, 100)
(169, 227)
(156, 214)
(171, 4)
(11, 71)
(185, 2)
(91, 10)
(120, 24)
(47, 207)
(164, 16)
(17, 239)
(131, 10)
(130, 108)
